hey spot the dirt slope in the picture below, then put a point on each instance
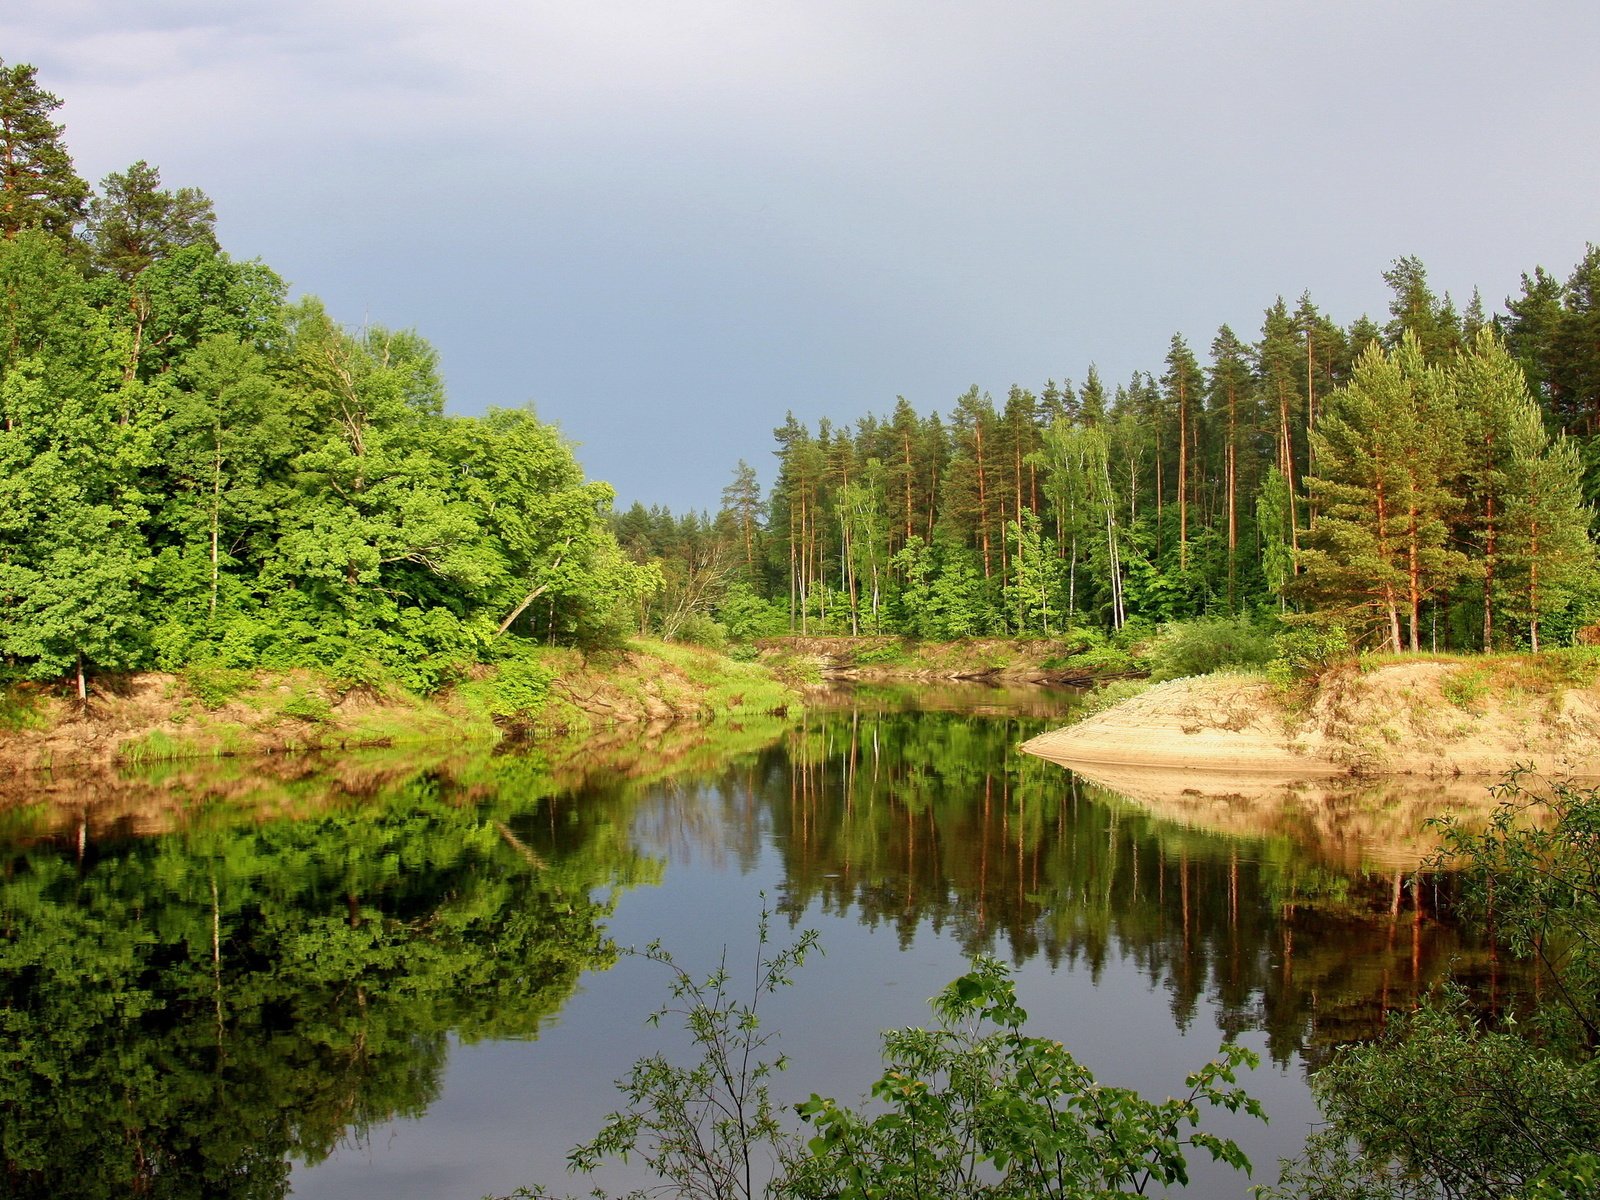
(1438, 719)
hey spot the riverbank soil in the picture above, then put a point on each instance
(158, 717)
(1426, 717)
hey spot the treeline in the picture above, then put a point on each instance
(195, 470)
(1423, 481)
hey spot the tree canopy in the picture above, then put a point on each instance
(194, 470)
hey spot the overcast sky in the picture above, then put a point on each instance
(667, 222)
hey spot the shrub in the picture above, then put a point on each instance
(307, 707)
(746, 616)
(1108, 695)
(215, 686)
(972, 1107)
(1209, 644)
(976, 1107)
(1441, 1105)
(1449, 1109)
(1466, 687)
(521, 687)
(884, 652)
(20, 709)
(1306, 651)
(697, 629)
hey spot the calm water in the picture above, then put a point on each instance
(398, 976)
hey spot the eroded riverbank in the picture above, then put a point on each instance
(1439, 719)
(560, 695)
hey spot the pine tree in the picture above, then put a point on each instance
(1386, 448)
(1181, 389)
(1278, 361)
(970, 478)
(1533, 334)
(742, 500)
(1092, 398)
(1228, 391)
(1578, 344)
(1548, 554)
(1501, 430)
(1414, 309)
(38, 187)
(133, 222)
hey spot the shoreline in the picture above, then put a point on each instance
(1423, 718)
(139, 720)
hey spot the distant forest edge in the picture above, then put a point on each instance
(1427, 482)
(196, 471)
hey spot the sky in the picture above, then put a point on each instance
(667, 223)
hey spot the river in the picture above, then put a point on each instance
(405, 975)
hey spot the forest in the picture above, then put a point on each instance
(196, 469)
(1425, 482)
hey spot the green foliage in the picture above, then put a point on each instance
(306, 706)
(1570, 666)
(215, 686)
(20, 709)
(1534, 877)
(746, 616)
(698, 629)
(521, 687)
(1109, 695)
(1442, 1107)
(976, 1107)
(1274, 517)
(1466, 689)
(972, 1107)
(1208, 644)
(1305, 651)
(880, 654)
(707, 1129)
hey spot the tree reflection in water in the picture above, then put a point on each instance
(187, 1012)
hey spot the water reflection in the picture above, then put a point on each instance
(940, 822)
(207, 975)
(185, 1013)
(1350, 824)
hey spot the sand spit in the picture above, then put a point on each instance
(1424, 718)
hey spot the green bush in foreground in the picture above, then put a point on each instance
(976, 1107)
(971, 1107)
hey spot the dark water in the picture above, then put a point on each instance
(398, 976)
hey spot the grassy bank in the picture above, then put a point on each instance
(541, 695)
